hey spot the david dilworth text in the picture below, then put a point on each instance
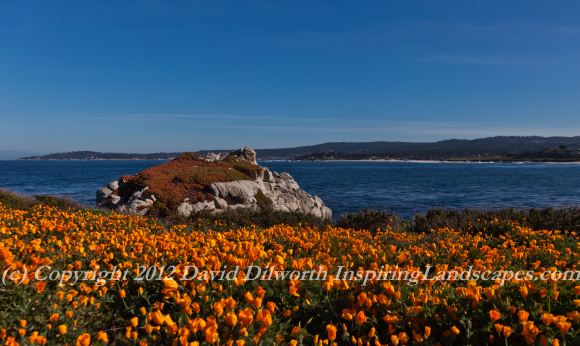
(257, 273)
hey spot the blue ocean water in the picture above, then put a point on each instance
(399, 187)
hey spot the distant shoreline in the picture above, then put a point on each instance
(434, 161)
(339, 160)
(490, 149)
(25, 159)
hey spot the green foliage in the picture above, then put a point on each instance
(494, 221)
(371, 220)
(243, 166)
(17, 201)
(160, 210)
(264, 202)
(565, 219)
(188, 156)
(247, 218)
(59, 202)
(99, 211)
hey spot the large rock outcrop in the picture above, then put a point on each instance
(212, 183)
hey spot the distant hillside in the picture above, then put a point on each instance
(442, 150)
(504, 148)
(94, 155)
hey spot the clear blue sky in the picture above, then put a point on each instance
(158, 75)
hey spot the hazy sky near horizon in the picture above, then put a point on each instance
(155, 75)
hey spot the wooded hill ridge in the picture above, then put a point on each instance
(500, 148)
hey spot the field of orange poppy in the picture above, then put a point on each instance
(42, 301)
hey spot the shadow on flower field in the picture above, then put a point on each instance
(51, 259)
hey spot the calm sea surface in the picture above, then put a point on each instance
(400, 187)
